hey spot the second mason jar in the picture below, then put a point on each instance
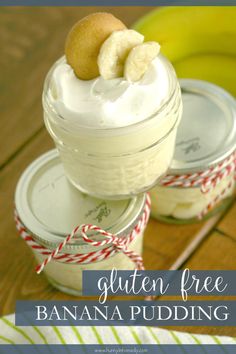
(121, 161)
(49, 208)
(201, 179)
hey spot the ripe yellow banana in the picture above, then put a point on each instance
(219, 69)
(190, 30)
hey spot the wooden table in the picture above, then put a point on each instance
(31, 40)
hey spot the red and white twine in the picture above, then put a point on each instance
(206, 180)
(114, 243)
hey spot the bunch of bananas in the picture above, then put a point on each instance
(200, 41)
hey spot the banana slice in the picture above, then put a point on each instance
(115, 50)
(139, 60)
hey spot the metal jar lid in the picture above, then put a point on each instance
(207, 132)
(50, 207)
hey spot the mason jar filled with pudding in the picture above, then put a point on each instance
(201, 178)
(112, 105)
(103, 233)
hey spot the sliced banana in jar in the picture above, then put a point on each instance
(115, 50)
(139, 59)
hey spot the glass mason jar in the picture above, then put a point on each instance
(49, 208)
(116, 163)
(201, 180)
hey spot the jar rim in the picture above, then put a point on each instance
(50, 238)
(47, 104)
(215, 152)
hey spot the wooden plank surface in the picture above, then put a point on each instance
(227, 225)
(218, 251)
(32, 38)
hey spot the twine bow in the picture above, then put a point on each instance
(114, 243)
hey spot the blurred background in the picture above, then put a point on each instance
(199, 41)
(32, 38)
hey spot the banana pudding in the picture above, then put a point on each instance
(114, 126)
(201, 178)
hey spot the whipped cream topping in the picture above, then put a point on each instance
(109, 103)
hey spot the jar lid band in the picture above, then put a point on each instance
(206, 180)
(115, 243)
